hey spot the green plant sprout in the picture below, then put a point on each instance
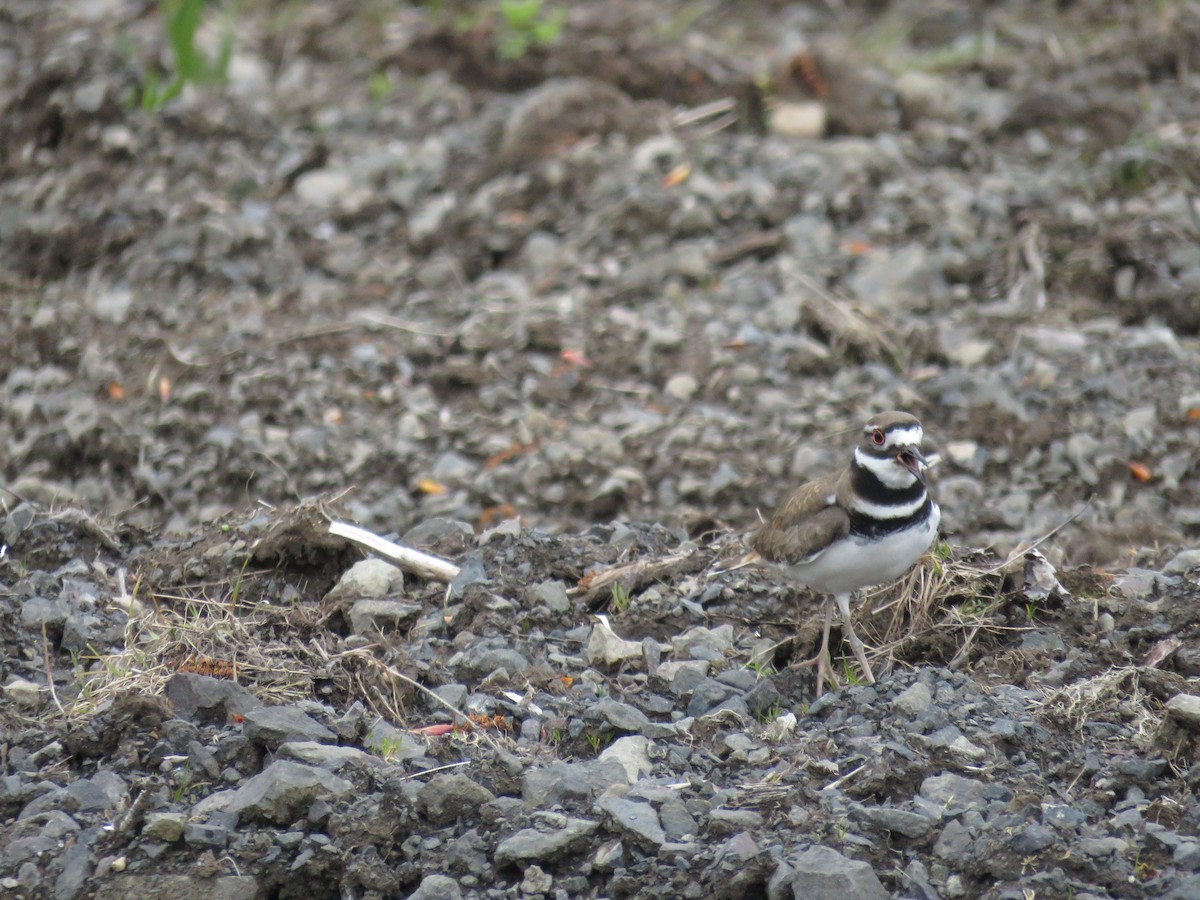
(181, 21)
(620, 597)
(525, 24)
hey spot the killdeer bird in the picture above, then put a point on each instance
(861, 526)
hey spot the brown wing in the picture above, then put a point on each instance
(804, 525)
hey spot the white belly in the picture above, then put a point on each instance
(855, 563)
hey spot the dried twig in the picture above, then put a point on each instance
(433, 771)
(643, 571)
(424, 565)
(400, 676)
(1049, 534)
(49, 668)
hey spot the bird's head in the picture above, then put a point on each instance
(891, 448)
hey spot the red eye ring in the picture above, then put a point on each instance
(878, 437)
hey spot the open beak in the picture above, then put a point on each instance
(911, 459)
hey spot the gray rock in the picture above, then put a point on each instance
(620, 716)
(323, 187)
(1134, 584)
(271, 726)
(677, 822)
(454, 694)
(953, 793)
(704, 643)
(372, 579)
(444, 535)
(632, 753)
(606, 647)
(536, 881)
(470, 572)
(84, 795)
(369, 616)
(1187, 856)
(481, 662)
(739, 866)
(283, 791)
(609, 856)
(731, 821)
(561, 782)
(914, 700)
(327, 756)
(763, 697)
(530, 845)
(1179, 564)
(76, 867)
(39, 612)
(909, 824)
(954, 843)
(552, 594)
(1062, 816)
(1032, 839)
(52, 800)
(206, 834)
(1185, 709)
(683, 675)
(681, 386)
(165, 826)
(821, 873)
(24, 693)
(446, 798)
(437, 887)
(637, 822)
(392, 744)
(707, 694)
(208, 700)
(1186, 888)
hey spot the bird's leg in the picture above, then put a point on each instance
(821, 660)
(843, 602)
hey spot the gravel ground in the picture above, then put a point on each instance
(571, 320)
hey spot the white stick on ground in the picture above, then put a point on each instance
(424, 565)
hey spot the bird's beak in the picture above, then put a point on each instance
(911, 459)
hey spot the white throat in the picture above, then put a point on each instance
(888, 471)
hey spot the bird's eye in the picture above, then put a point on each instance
(878, 437)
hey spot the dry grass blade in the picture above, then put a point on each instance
(400, 677)
(1116, 697)
(938, 610)
(191, 634)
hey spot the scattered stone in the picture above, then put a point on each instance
(632, 752)
(530, 845)
(637, 822)
(283, 791)
(605, 647)
(914, 700)
(369, 617)
(208, 700)
(446, 798)
(821, 873)
(24, 693)
(1185, 709)
(275, 725)
(164, 826)
(437, 887)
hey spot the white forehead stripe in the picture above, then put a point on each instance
(908, 436)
